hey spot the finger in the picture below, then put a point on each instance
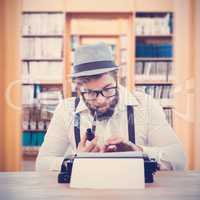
(94, 140)
(83, 140)
(96, 149)
(82, 143)
(91, 144)
(124, 147)
(129, 146)
(103, 149)
(111, 148)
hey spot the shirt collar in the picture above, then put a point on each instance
(81, 106)
(125, 98)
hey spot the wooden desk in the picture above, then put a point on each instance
(33, 185)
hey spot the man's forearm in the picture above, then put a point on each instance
(169, 157)
(48, 163)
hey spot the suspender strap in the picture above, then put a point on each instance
(131, 124)
(77, 123)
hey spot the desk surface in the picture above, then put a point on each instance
(33, 185)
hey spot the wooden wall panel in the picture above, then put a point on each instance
(10, 137)
(196, 10)
(184, 77)
(43, 5)
(99, 24)
(99, 5)
(131, 52)
(154, 5)
(102, 6)
(2, 35)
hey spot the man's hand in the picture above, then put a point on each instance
(88, 146)
(116, 144)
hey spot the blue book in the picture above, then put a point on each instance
(26, 138)
(34, 139)
(40, 137)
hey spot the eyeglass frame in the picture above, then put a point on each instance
(100, 92)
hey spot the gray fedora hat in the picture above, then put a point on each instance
(92, 60)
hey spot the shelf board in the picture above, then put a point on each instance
(44, 82)
(33, 130)
(42, 36)
(168, 106)
(42, 60)
(155, 36)
(41, 12)
(154, 59)
(152, 82)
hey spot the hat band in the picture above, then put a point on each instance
(94, 65)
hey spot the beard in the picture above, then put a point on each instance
(107, 113)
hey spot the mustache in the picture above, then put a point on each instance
(99, 107)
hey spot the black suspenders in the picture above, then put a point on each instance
(77, 123)
(130, 119)
(131, 124)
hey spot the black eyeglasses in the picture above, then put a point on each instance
(106, 92)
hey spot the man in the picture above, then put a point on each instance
(125, 121)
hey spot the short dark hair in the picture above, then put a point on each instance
(85, 79)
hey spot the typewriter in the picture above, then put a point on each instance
(150, 165)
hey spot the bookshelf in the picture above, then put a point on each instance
(42, 74)
(153, 32)
(153, 71)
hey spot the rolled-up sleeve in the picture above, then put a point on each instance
(56, 140)
(163, 143)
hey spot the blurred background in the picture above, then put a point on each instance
(155, 43)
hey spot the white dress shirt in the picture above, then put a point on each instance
(152, 131)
